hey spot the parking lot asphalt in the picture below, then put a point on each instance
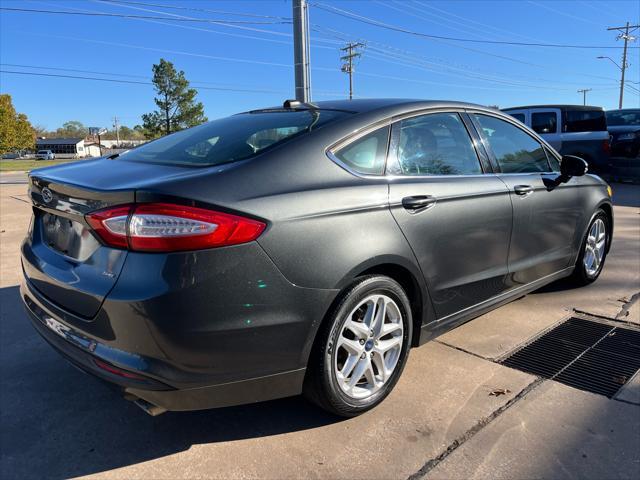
(444, 419)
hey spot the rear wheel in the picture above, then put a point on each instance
(361, 350)
(593, 251)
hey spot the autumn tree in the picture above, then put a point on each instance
(176, 102)
(16, 132)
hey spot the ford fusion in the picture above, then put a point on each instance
(300, 249)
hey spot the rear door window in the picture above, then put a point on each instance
(585, 121)
(435, 144)
(366, 155)
(233, 138)
(514, 149)
(544, 122)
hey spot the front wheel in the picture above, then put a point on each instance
(593, 251)
(361, 350)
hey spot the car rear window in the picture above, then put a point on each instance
(624, 117)
(232, 138)
(585, 121)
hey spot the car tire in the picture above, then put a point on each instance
(593, 250)
(359, 337)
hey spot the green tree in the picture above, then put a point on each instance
(72, 128)
(16, 132)
(177, 106)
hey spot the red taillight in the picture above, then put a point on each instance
(606, 146)
(164, 227)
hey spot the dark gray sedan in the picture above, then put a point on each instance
(303, 248)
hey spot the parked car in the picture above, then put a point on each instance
(570, 129)
(45, 155)
(624, 127)
(301, 248)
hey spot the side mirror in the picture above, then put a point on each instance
(573, 166)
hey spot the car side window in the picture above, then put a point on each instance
(366, 155)
(435, 144)
(518, 116)
(515, 150)
(544, 122)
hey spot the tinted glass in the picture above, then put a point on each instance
(518, 116)
(232, 138)
(623, 117)
(584, 121)
(436, 144)
(544, 122)
(515, 150)
(367, 154)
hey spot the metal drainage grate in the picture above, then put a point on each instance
(591, 356)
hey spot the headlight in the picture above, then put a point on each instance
(628, 136)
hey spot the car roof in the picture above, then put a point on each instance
(560, 106)
(380, 105)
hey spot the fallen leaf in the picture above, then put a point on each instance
(620, 380)
(499, 391)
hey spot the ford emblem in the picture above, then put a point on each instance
(47, 196)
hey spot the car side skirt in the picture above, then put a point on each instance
(439, 327)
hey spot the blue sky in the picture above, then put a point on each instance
(259, 56)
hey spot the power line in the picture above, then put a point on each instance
(193, 9)
(376, 23)
(122, 15)
(134, 82)
(414, 60)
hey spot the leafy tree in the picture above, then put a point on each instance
(16, 132)
(177, 106)
(41, 131)
(72, 128)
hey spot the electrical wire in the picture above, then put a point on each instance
(376, 23)
(122, 15)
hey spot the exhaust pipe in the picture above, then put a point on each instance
(150, 408)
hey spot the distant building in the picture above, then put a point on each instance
(80, 147)
(72, 147)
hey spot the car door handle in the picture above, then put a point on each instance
(523, 189)
(418, 203)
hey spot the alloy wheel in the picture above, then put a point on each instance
(368, 348)
(595, 247)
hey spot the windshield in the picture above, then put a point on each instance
(618, 118)
(43, 151)
(232, 138)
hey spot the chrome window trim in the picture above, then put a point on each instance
(387, 122)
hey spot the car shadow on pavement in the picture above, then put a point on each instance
(58, 422)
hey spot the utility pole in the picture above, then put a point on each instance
(347, 67)
(117, 127)
(624, 34)
(584, 91)
(301, 50)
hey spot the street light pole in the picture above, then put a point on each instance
(301, 50)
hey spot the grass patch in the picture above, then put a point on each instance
(29, 164)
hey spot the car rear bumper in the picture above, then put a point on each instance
(86, 353)
(225, 328)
